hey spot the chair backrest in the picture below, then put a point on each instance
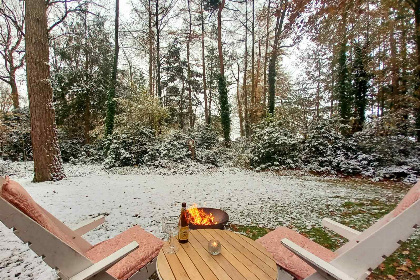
(16, 195)
(367, 251)
(57, 253)
(410, 198)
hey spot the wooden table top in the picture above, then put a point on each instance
(240, 258)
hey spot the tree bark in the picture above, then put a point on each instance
(46, 152)
(273, 58)
(240, 112)
(15, 93)
(318, 86)
(252, 111)
(159, 87)
(206, 110)
(190, 111)
(266, 53)
(394, 68)
(111, 96)
(219, 37)
(245, 87)
(417, 89)
(150, 50)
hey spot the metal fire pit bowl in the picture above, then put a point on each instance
(220, 216)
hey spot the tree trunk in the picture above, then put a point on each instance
(318, 87)
(159, 87)
(206, 110)
(394, 68)
(238, 98)
(266, 53)
(86, 112)
(223, 92)
(219, 37)
(273, 59)
(257, 82)
(46, 152)
(252, 111)
(15, 93)
(150, 50)
(417, 89)
(190, 111)
(181, 103)
(245, 87)
(110, 116)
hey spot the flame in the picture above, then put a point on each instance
(199, 217)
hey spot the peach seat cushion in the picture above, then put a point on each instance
(149, 247)
(288, 260)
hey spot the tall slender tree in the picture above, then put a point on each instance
(360, 86)
(280, 14)
(110, 116)
(206, 107)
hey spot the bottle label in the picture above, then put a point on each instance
(183, 233)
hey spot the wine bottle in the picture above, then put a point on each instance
(183, 225)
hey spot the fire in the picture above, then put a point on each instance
(199, 217)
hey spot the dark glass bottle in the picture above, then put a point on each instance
(183, 225)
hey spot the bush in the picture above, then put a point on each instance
(271, 145)
(326, 150)
(128, 150)
(15, 135)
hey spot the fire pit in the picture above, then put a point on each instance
(202, 218)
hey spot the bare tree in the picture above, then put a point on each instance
(11, 49)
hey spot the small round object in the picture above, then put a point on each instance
(214, 247)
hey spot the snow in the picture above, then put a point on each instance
(130, 196)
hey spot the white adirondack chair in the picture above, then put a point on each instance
(68, 253)
(354, 260)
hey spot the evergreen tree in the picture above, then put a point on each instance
(224, 109)
(343, 86)
(110, 115)
(360, 86)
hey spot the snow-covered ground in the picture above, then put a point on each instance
(143, 196)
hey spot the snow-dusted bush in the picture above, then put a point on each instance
(205, 137)
(71, 149)
(15, 135)
(273, 145)
(173, 147)
(325, 149)
(128, 150)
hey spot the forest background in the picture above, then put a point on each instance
(164, 84)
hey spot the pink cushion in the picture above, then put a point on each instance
(149, 247)
(16, 195)
(288, 260)
(412, 196)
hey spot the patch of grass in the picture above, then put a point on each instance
(326, 239)
(404, 263)
(253, 232)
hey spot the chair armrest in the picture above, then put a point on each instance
(106, 263)
(321, 266)
(342, 230)
(88, 225)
